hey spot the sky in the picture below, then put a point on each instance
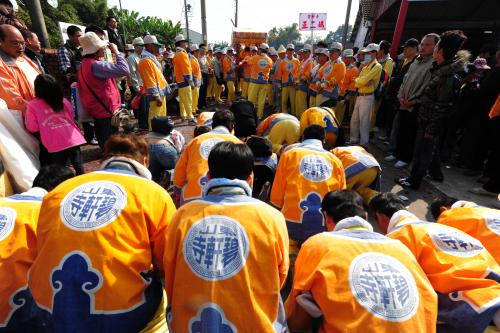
(260, 15)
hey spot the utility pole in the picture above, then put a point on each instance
(346, 24)
(204, 22)
(123, 26)
(36, 15)
(187, 20)
(236, 14)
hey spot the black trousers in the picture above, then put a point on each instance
(88, 131)
(103, 130)
(73, 154)
(202, 98)
(405, 143)
(426, 154)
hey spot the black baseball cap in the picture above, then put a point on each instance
(412, 42)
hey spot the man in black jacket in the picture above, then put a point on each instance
(436, 105)
(113, 34)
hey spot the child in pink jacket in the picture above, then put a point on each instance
(51, 115)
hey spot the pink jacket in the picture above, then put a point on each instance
(105, 89)
(58, 130)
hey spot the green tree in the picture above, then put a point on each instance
(284, 36)
(136, 25)
(336, 36)
(82, 12)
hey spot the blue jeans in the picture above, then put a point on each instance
(161, 159)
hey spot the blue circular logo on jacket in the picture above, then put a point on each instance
(7, 221)
(216, 247)
(93, 205)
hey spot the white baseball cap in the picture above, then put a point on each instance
(322, 50)
(138, 41)
(194, 47)
(150, 39)
(281, 49)
(264, 46)
(179, 38)
(229, 49)
(336, 46)
(371, 47)
(253, 48)
(307, 48)
(348, 53)
(290, 47)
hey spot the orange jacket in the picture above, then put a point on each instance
(362, 281)
(479, 222)
(351, 73)
(325, 117)
(216, 250)
(183, 73)
(315, 172)
(190, 172)
(330, 78)
(355, 160)
(304, 74)
(462, 272)
(260, 67)
(152, 77)
(18, 220)
(288, 71)
(15, 89)
(195, 66)
(100, 242)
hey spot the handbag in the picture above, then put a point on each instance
(115, 116)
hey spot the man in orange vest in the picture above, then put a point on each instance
(352, 279)
(315, 172)
(330, 77)
(226, 249)
(18, 224)
(190, 174)
(303, 79)
(479, 222)
(286, 75)
(183, 74)
(260, 66)
(464, 274)
(197, 78)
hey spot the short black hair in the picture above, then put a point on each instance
(6, 2)
(385, 45)
(245, 118)
(94, 28)
(386, 203)
(435, 206)
(230, 160)
(26, 33)
(450, 42)
(322, 44)
(199, 130)
(52, 175)
(260, 146)
(314, 132)
(342, 204)
(355, 49)
(72, 30)
(110, 17)
(223, 118)
(162, 124)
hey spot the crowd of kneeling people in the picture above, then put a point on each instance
(111, 251)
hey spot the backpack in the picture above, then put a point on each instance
(383, 83)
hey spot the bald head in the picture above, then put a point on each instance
(11, 41)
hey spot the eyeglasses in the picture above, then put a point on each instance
(16, 43)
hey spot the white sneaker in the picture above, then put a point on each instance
(390, 158)
(400, 164)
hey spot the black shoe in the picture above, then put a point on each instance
(406, 183)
